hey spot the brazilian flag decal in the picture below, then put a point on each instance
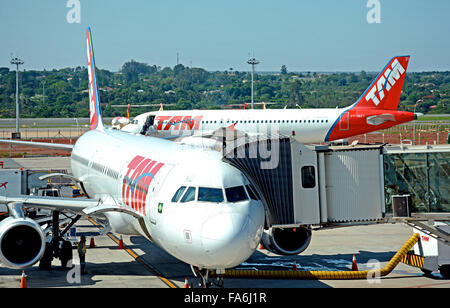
(160, 207)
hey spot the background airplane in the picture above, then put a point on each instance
(186, 200)
(376, 109)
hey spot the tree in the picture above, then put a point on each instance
(132, 69)
(295, 94)
(283, 70)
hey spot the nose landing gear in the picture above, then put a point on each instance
(207, 277)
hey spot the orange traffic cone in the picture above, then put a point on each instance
(23, 281)
(354, 265)
(121, 243)
(92, 244)
(186, 283)
(294, 266)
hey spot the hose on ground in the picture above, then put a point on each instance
(274, 274)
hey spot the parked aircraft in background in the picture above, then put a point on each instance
(376, 109)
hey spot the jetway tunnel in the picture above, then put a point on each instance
(306, 185)
(268, 165)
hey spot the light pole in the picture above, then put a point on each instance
(253, 62)
(414, 124)
(17, 62)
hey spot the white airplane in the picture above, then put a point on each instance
(376, 109)
(186, 200)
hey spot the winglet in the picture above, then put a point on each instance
(94, 100)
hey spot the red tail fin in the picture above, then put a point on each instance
(385, 90)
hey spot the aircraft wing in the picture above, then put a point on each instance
(52, 203)
(60, 146)
(230, 133)
(75, 205)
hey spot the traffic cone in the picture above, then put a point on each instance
(92, 244)
(294, 266)
(186, 283)
(23, 281)
(261, 246)
(354, 265)
(121, 243)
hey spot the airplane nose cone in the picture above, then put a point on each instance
(229, 239)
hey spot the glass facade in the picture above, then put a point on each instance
(425, 176)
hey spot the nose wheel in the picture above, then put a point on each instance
(207, 277)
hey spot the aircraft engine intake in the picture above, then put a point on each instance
(22, 242)
(286, 241)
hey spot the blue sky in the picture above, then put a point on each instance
(319, 35)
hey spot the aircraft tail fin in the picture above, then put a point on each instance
(96, 121)
(385, 90)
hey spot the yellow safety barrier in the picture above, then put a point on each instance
(274, 274)
(413, 260)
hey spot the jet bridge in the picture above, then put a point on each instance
(303, 185)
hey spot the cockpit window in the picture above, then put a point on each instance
(207, 194)
(178, 194)
(189, 195)
(236, 194)
(252, 192)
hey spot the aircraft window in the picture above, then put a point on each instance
(207, 194)
(251, 192)
(236, 194)
(308, 177)
(326, 121)
(313, 121)
(278, 121)
(189, 195)
(309, 121)
(178, 194)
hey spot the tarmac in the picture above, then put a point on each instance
(143, 265)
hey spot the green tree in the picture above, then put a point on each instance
(295, 94)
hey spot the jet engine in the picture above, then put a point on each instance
(286, 241)
(22, 242)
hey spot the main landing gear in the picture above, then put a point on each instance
(58, 247)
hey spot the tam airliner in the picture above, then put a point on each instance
(186, 200)
(376, 109)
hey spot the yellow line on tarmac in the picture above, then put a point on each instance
(135, 256)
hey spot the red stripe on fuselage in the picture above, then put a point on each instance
(125, 186)
(146, 184)
(139, 201)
